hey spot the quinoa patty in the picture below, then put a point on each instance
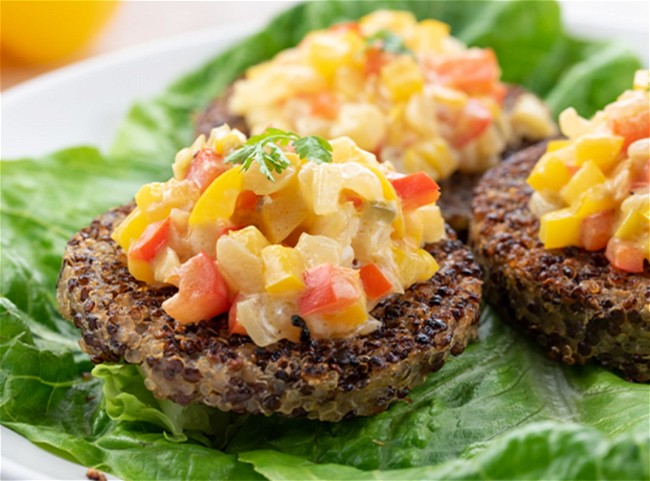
(121, 319)
(570, 301)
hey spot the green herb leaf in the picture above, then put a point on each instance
(389, 42)
(266, 151)
(314, 148)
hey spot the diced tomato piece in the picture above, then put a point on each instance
(596, 229)
(632, 128)
(471, 123)
(475, 71)
(625, 255)
(234, 327)
(205, 167)
(374, 281)
(328, 289)
(415, 190)
(247, 200)
(153, 239)
(202, 292)
(324, 104)
(375, 60)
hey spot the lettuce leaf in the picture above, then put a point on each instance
(501, 410)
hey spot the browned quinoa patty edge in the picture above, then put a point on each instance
(121, 319)
(570, 301)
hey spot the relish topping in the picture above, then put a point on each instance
(403, 89)
(592, 190)
(303, 250)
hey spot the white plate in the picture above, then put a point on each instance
(83, 104)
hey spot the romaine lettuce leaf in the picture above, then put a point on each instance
(500, 410)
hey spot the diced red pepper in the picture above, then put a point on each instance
(234, 327)
(596, 229)
(375, 60)
(475, 71)
(247, 200)
(415, 190)
(328, 289)
(625, 255)
(470, 123)
(374, 281)
(325, 105)
(632, 128)
(153, 239)
(202, 292)
(206, 166)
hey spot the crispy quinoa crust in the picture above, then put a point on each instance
(570, 301)
(121, 319)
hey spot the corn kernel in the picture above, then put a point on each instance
(283, 267)
(588, 176)
(559, 228)
(602, 149)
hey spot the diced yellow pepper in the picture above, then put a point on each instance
(130, 229)
(386, 187)
(433, 156)
(141, 270)
(429, 36)
(219, 199)
(550, 173)
(559, 228)
(402, 77)
(158, 199)
(327, 52)
(347, 319)
(398, 22)
(413, 265)
(282, 212)
(596, 199)
(588, 176)
(554, 145)
(283, 268)
(633, 224)
(251, 238)
(602, 149)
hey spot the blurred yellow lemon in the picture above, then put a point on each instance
(46, 31)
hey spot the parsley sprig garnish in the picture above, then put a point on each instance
(266, 150)
(389, 42)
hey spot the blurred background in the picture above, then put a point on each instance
(41, 36)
